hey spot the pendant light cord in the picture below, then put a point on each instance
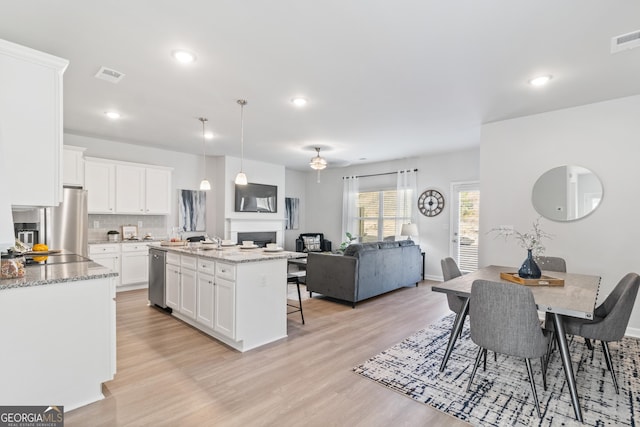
(242, 103)
(204, 148)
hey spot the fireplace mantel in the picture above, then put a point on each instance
(233, 226)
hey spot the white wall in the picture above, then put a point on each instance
(602, 137)
(323, 207)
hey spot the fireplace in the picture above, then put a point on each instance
(260, 238)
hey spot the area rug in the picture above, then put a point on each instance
(501, 395)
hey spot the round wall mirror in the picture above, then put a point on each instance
(566, 193)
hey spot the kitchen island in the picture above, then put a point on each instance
(58, 335)
(238, 296)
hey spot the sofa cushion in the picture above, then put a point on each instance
(312, 243)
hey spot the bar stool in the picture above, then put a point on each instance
(294, 277)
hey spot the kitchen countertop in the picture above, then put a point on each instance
(232, 254)
(105, 241)
(38, 275)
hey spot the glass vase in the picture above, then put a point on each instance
(529, 268)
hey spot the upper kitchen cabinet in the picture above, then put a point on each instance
(127, 188)
(158, 191)
(100, 183)
(73, 166)
(130, 189)
(31, 122)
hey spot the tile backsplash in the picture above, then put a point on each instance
(156, 225)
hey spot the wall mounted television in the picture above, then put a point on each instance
(256, 198)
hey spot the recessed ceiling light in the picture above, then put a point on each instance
(540, 80)
(183, 56)
(113, 115)
(299, 101)
(208, 135)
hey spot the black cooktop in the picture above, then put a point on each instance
(55, 259)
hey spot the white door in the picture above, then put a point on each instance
(465, 223)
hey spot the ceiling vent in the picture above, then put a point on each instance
(109, 75)
(625, 41)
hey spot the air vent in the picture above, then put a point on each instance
(109, 75)
(625, 41)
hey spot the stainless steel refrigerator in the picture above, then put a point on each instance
(67, 226)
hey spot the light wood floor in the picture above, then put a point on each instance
(170, 374)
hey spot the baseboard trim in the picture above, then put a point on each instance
(633, 332)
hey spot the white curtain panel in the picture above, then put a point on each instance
(407, 190)
(350, 190)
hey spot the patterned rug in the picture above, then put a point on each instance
(501, 395)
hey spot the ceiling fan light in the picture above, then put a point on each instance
(205, 185)
(241, 179)
(318, 163)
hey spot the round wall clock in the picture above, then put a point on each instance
(431, 203)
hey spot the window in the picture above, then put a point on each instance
(379, 215)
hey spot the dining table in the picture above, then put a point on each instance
(575, 298)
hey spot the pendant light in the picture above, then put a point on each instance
(241, 178)
(204, 184)
(318, 163)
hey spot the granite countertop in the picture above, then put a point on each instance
(104, 241)
(37, 275)
(232, 254)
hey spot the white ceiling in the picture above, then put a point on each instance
(385, 79)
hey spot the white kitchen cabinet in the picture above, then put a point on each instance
(225, 307)
(127, 188)
(172, 286)
(157, 191)
(100, 183)
(31, 123)
(134, 263)
(73, 166)
(205, 293)
(188, 285)
(130, 189)
(107, 255)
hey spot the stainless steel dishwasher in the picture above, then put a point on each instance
(157, 277)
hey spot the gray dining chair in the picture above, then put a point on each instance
(551, 263)
(504, 319)
(611, 319)
(450, 271)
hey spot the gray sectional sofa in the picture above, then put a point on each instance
(365, 270)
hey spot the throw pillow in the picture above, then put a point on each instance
(311, 243)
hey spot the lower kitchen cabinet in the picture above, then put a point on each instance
(107, 255)
(205, 299)
(224, 311)
(188, 292)
(134, 265)
(172, 284)
(241, 304)
(129, 260)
